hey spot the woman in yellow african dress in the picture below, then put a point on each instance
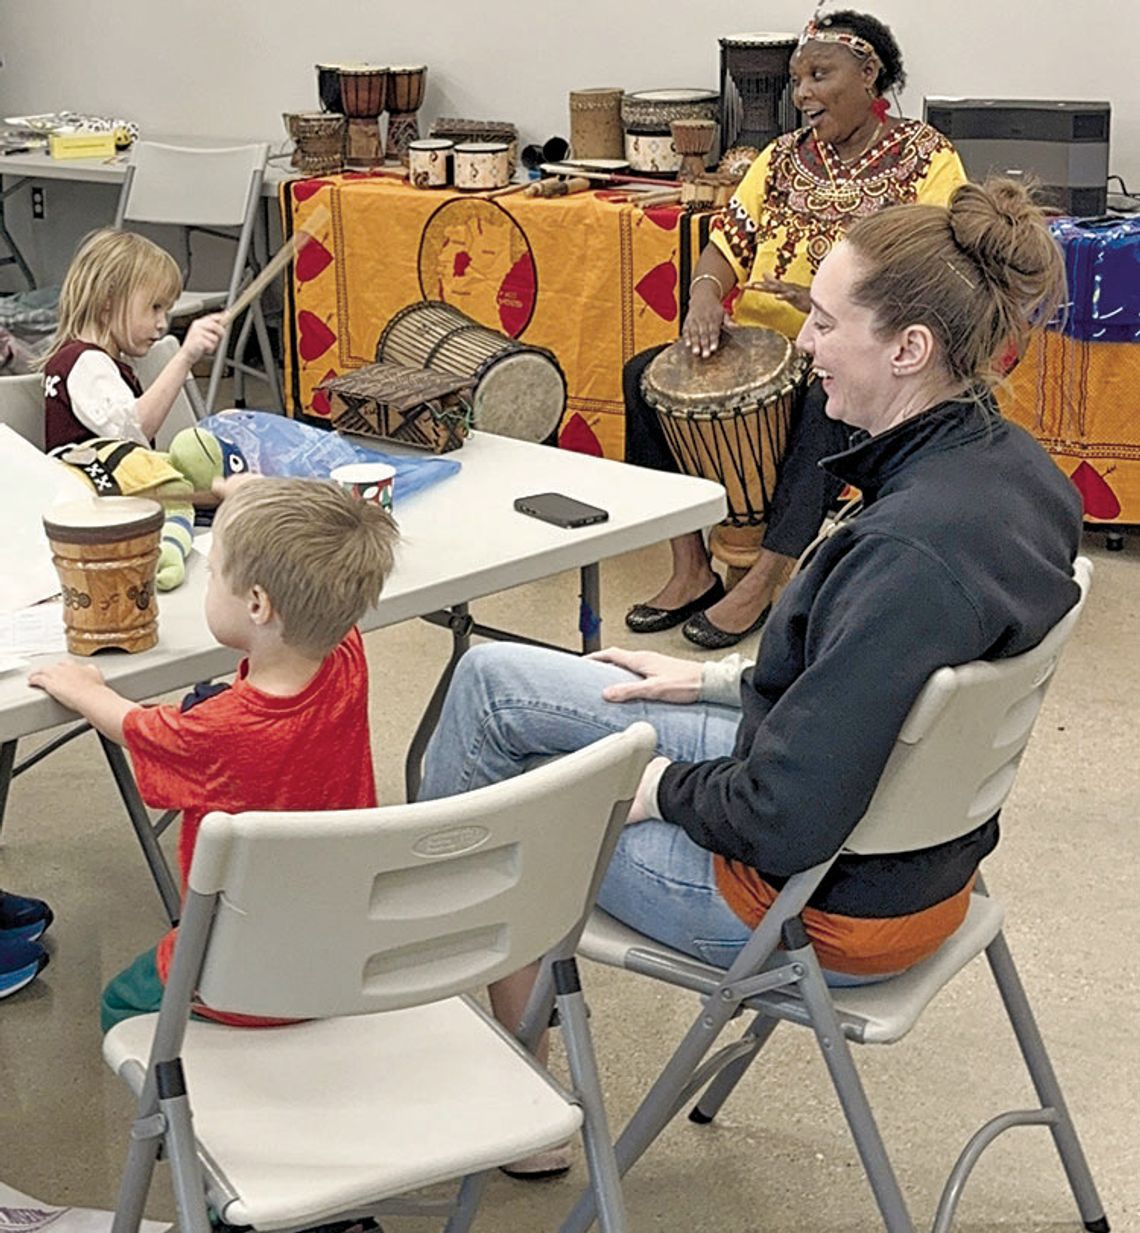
(850, 160)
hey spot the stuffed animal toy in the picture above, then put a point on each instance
(117, 468)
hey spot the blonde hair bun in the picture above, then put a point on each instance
(998, 226)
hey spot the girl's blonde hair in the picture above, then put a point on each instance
(108, 270)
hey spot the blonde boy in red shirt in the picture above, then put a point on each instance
(293, 566)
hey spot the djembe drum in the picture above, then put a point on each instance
(405, 97)
(727, 418)
(519, 391)
(755, 88)
(105, 551)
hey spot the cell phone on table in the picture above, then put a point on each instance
(561, 510)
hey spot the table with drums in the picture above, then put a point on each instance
(590, 279)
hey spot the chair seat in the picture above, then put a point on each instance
(190, 303)
(295, 1117)
(872, 1014)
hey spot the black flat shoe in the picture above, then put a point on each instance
(645, 619)
(703, 633)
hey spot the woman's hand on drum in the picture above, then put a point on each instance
(705, 320)
(795, 294)
(664, 677)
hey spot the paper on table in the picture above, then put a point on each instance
(38, 630)
(20, 1213)
(30, 484)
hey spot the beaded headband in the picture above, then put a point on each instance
(814, 33)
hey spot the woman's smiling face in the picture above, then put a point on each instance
(832, 88)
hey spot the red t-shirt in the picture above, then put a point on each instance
(242, 749)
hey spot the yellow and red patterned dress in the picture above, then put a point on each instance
(798, 199)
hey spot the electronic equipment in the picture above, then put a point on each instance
(559, 509)
(1061, 146)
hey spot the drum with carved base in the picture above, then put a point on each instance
(105, 551)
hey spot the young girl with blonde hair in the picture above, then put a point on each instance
(112, 308)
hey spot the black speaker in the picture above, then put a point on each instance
(1061, 146)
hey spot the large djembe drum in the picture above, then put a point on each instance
(727, 418)
(105, 551)
(518, 390)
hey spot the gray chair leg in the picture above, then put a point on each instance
(268, 359)
(719, 1090)
(600, 1158)
(845, 1078)
(1046, 1085)
(660, 1104)
(182, 1149)
(470, 1193)
(135, 1186)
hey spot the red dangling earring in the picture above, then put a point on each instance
(879, 109)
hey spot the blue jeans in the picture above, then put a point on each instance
(509, 704)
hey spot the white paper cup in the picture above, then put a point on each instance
(367, 481)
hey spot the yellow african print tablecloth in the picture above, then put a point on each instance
(591, 278)
(1081, 400)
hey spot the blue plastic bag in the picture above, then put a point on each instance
(267, 444)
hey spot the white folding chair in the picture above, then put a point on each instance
(187, 408)
(951, 769)
(22, 406)
(374, 925)
(216, 191)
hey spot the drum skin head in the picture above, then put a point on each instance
(523, 395)
(751, 365)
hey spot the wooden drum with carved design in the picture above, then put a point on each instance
(105, 551)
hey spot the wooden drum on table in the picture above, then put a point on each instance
(727, 418)
(318, 140)
(363, 90)
(519, 390)
(105, 551)
(595, 123)
(481, 165)
(405, 97)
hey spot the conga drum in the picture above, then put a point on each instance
(105, 551)
(519, 390)
(727, 418)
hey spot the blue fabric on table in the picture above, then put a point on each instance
(1102, 264)
(275, 445)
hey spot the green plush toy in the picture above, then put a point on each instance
(196, 455)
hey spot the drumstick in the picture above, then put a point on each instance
(511, 188)
(558, 188)
(278, 262)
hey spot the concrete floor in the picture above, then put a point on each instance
(779, 1157)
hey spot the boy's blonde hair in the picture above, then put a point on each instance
(108, 270)
(319, 554)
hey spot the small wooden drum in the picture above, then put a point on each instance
(318, 140)
(105, 551)
(363, 90)
(482, 165)
(429, 162)
(406, 87)
(595, 123)
(727, 417)
(519, 391)
(693, 140)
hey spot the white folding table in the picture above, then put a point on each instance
(461, 539)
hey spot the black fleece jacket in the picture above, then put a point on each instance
(963, 551)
